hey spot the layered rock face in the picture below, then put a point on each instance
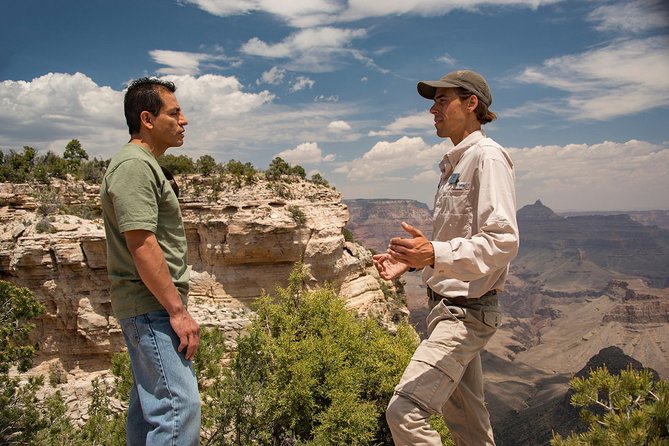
(375, 221)
(586, 248)
(242, 241)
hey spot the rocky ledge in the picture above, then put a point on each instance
(243, 240)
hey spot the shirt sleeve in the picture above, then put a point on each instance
(496, 242)
(134, 190)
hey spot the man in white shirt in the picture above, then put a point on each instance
(475, 238)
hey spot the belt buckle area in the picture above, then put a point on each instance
(457, 300)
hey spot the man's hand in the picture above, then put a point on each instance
(388, 267)
(416, 251)
(188, 332)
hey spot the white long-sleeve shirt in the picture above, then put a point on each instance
(475, 230)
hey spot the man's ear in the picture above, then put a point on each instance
(146, 119)
(473, 103)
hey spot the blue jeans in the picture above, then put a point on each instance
(164, 400)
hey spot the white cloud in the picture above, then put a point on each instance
(403, 155)
(182, 62)
(58, 107)
(310, 13)
(631, 16)
(447, 59)
(223, 118)
(273, 76)
(298, 13)
(420, 121)
(368, 62)
(339, 126)
(606, 176)
(623, 78)
(609, 176)
(315, 50)
(306, 153)
(322, 98)
(430, 176)
(302, 82)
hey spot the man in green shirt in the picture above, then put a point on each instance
(147, 267)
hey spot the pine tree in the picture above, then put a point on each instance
(625, 409)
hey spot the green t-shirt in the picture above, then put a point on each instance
(136, 195)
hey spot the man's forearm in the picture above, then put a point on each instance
(153, 270)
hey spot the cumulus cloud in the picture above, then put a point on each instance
(396, 157)
(273, 76)
(339, 126)
(638, 82)
(608, 176)
(605, 176)
(182, 62)
(48, 111)
(57, 107)
(306, 153)
(315, 49)
(301, 82)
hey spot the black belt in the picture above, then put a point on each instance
(457, 300)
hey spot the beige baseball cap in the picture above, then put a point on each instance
(469, 80)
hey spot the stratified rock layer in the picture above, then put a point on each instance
(243, 241)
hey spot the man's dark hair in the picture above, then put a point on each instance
(143, 94)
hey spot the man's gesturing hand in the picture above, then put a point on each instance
(388, 267)
(416, 251)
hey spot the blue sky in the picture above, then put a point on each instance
(581, 88)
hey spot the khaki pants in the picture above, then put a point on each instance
(444, 377)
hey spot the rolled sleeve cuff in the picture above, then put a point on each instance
(443, 256)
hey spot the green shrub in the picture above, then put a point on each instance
(318, 179)
(20, 413)
(310, 372)
(177, 164)
(297, 214)
(241, 173)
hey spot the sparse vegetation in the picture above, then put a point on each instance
(28, 167)
(206, 165)
(241, 173)
(20, 412)
(318, 179)
(280, 170)
(177, 164)
(625, 409)
(297, 214)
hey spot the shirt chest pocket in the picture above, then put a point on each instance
(453, 215)
(450, 200)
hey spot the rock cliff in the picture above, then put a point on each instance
(243, 240)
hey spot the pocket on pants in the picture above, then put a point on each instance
(492, 318)
(430, 377)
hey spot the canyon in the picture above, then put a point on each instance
(580, 285)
